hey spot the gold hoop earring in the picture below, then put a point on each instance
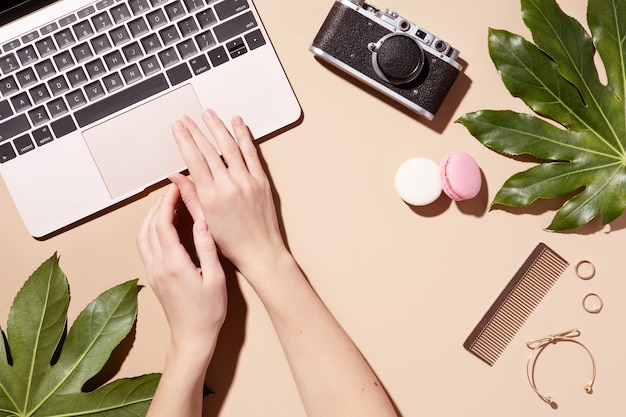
(537, 346)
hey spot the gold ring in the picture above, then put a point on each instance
(592, 303)
(585, 270)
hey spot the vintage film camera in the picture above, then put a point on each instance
(389, 53)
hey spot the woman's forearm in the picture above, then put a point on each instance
(332, 376)
(180, 391)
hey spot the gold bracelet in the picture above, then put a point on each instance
(539, 345)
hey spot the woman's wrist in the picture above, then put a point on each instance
(192, 355)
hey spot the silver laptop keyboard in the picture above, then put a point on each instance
(108, 56)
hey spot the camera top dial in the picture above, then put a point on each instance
(397, 58)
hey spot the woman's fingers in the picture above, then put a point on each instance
(194, 157)
(189, 195)
(228, 145)
(247, 149)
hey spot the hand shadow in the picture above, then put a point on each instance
(221, 371)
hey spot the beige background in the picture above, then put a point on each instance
(408, 284)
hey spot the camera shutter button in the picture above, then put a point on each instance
(397, 58)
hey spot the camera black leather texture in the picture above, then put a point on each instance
(346, 34)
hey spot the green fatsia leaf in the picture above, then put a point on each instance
(557, 78)
(42, 374)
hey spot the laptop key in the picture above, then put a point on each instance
(114, 60)
(6, 152)
(94, 90)
(49, 28)
(168, 57)
(169, 35)
(42, 135)
(193, 5)
(139, 6)
(255, 39)
(101, 44)
(179, 74)
(103, 4)
(151, 43)
(95, 68)
(205, 40)
(26, 77)
(235, 26)
(63, 60)
(76, 99)
(57, 107)
(8, 63)
(199, 65)
(67, 20)
(45, 47)
(14, 127)
(218, 56)
(138, 27)
(27, 55)
(120, 13)
(64, 38)
(132, 52)
(58, 85)
(186, 49)
(229, 8)
(101, 22)
(206, 18)
(119, 35)
(23, 144)
(77, 77)
(21, 102)
(174, 10)
(11, 45)
(5, 110)
(82, 52)
(150, 65)
(87, 11)
(83, 30)
(131, 74)
(187, 27)
(8, 86)
(63, 126)
(156, 19)
(113, 82)
(45, 69)
(39, 93)
(38, 116)
(121, 100)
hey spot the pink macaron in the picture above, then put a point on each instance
(460, 176)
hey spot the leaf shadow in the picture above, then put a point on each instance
(115, 362)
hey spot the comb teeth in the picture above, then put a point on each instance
(515, 303)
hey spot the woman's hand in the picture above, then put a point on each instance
(194, 299)
(231, 191)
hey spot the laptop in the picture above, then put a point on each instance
(89, 89)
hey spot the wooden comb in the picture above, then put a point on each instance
(515, 304)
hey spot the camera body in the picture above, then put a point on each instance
(389, 53)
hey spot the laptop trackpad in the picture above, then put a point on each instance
(136, 149)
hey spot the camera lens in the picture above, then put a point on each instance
(398, 58)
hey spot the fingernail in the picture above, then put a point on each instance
(210, 114)
(201, 226)
(187, 120)
(178, 125)
(237, 121)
